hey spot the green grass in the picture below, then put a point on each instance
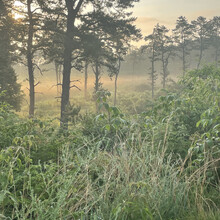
(158, 161)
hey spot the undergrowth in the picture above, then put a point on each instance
(160, 164)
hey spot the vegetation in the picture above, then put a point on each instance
(10, 90)
(160, 164)
(149, 152)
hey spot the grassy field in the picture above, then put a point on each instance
(132, 92)
(160, 164)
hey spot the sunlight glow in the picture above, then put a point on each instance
(18, 15)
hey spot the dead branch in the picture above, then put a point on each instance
(74, 86)
(37, 84)
(41, 72)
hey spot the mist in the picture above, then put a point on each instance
(109, 109)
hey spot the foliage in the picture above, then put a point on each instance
(162, 163)
(182, 36)
(10, 89)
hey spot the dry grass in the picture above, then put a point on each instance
(48, 95)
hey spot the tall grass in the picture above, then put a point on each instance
(131, 182)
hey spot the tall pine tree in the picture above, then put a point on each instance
(10, 90)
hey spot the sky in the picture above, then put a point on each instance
(166, 12)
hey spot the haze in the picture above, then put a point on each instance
(151, 12)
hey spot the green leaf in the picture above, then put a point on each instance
(106, 105)
(108, 127)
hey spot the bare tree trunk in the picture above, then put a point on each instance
(30, 61)
(184, 61)
(57, 76)
(86, 79)
(97, 83)
(97, 77)
(116, 81)
(152, 74)
(66, 72)
(164, 80)
(216, 56)
(152, 84)
(164, 70)
(116, 88)
(200, 54)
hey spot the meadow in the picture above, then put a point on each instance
(144, 159)
(133, 90)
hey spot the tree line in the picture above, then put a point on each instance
(76, 34)
(163, 45)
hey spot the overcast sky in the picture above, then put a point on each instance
(151, 12)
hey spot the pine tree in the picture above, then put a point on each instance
(183, 36)
(154, 53)
(215, 38)
(166, 50)
(75, 13)
(10, 90)
(201, 31)
(29, 42)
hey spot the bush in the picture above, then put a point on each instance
(160, 164)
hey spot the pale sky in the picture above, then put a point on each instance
(166, 12)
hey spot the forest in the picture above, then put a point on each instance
(95, 124)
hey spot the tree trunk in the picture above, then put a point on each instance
(200, 54)
(116, 81)
(68, 49)
(66, 73)
(164, 69)
(57, 76)
(97, 77)
(86, 79)
(116, 88)
(216, 56)
(184, 61)
(152, 73)
(30, 62)
(152, 83)
(97, 84)
(164, 81)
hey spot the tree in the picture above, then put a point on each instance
(215, 37)
(111, 35)
(115, 33)
(94, 54)
(166, 50)
(10, 90)
(74, 14)
(53, 49)
(153, 49)
(200, 31)
(86, 78)
(121, 34)
(99, 54)
(60, 18)
(29, 42)
(30, 58)
(183, 36)
(133, 57)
